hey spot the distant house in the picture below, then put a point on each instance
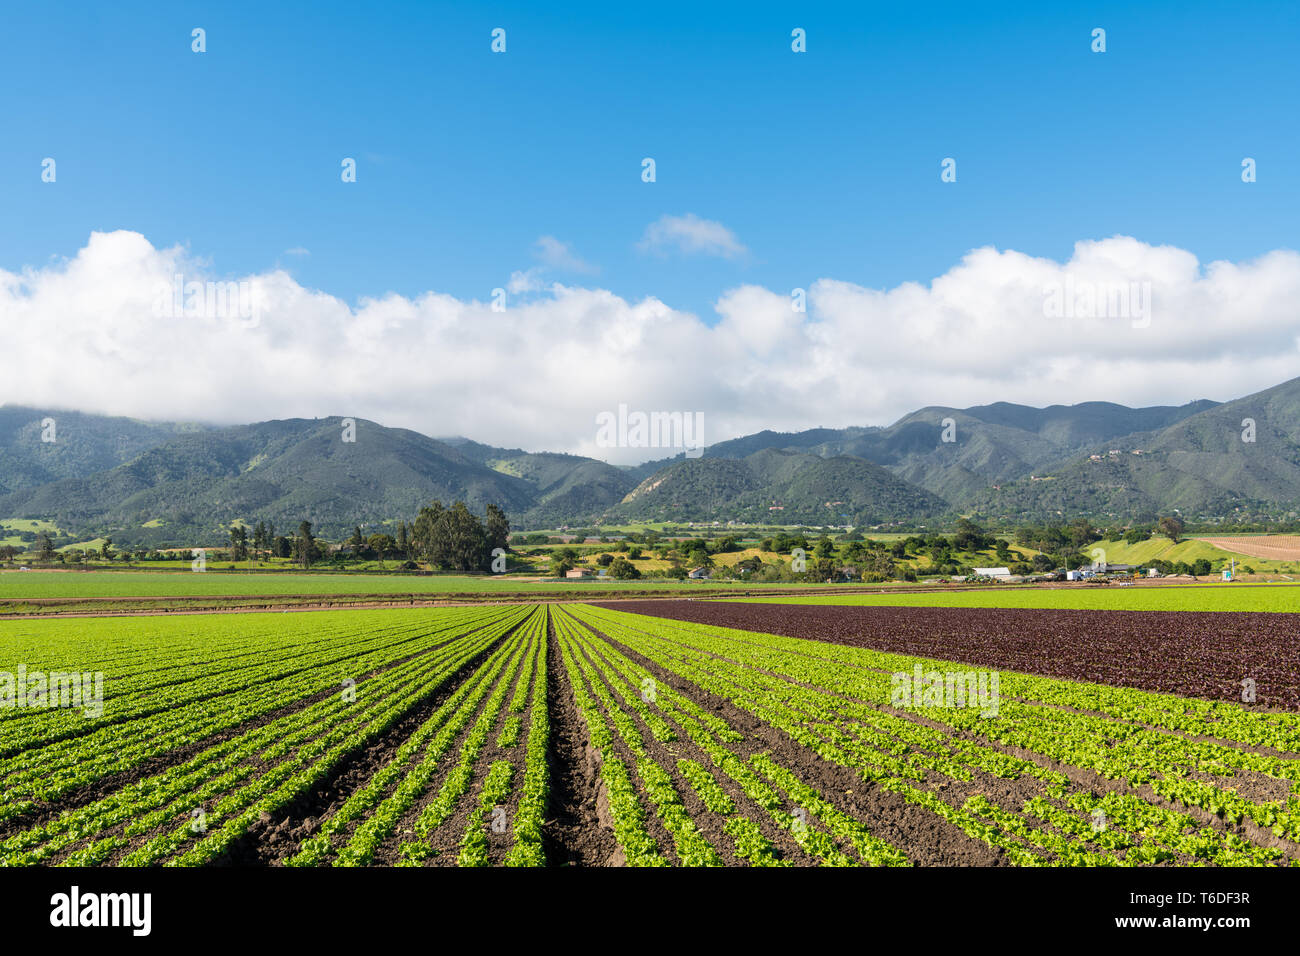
(999, 573)
(578, 573)
(698, 574)
(1103, 567)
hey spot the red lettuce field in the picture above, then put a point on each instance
(1205, 655)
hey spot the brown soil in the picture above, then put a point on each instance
(579, 829)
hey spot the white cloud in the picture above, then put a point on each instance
(297, 251)
(526, 280)
(560, 255)
(691, 235)
(85, 333)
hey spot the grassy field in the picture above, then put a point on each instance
(71, 584)
(1192, 597)
(10, 528)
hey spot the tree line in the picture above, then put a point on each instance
(451, 539)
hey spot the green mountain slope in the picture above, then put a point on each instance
(166, 483)
(82, 444)
(994, 443)
(1199, 465)
(565, 488)
(778, 486)
(282, 471)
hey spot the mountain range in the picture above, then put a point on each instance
(163, 483)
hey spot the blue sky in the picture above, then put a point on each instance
(823, 164)
(523, 170)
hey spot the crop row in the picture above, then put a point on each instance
(836, 701)
(624, 697)
(200, 805)
(42, 773)
(1193, 654)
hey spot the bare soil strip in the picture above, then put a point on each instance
(575, 832)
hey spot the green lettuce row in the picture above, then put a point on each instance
(181, 788)
(319, 848)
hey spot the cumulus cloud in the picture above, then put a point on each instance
(691, 235)
(113, 330)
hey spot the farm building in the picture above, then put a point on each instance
(999, 573)
(699, 574)
(578, 573)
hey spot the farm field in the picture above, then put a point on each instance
(1275, 547)
(69, 584)
(1218, 551)
(1236, 596)
(1196, 655)
(532, 735)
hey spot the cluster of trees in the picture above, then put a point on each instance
(379, 546)
(1058, 536)
(1170, 527)
(266, 543)
(455, 539)
(45, 552)
(619, 566)
(448, 538)
(1200, 567)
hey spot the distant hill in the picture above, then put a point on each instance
(565, 488)
(994, 443)
(159, 483)
(1198, 465)
(194, 486)
(780, 486)
(82, 444)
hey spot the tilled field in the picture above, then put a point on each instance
(578, 735)
(1174, 652)
(1278, 547)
